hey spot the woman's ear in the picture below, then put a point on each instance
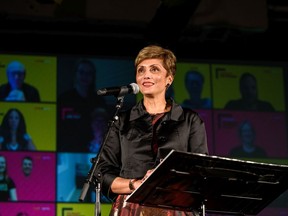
(170, 79)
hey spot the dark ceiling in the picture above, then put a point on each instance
(199, 29)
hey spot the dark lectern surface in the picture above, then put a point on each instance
(186, 181)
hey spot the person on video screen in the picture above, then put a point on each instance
(13, 133)
(143, 133)
(28, 190)
(249, 96)
(75, 107)
(194, 82)
(247, 136)
(17, 89)
(7, 186)
(27, 166)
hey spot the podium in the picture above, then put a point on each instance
(188, 181)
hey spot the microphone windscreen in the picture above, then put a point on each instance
(135, 88)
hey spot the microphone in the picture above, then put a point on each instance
(132, 88)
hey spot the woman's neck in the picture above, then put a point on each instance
(154, 106)
(13, 134)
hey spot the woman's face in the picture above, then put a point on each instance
(14, 120)
(2, 164)
(152, 78)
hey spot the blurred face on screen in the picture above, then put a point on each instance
(249, 89)
(247, 133)
(16, 74)
(85, 75)
(2, 164)
(27, 166)
(194, 84)
(14, 120)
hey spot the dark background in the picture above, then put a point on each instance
(222, 29)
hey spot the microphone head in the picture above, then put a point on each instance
(135, 88)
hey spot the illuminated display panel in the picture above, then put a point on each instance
(40, 119)
(74, 166)
(37, 184)
(269, 85)
(110, 72)
(40, 73)
(269, 132)
(74, 112)
(199, 82)
(27, 209)
(66, 209)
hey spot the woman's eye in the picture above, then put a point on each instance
(154, 69)
(140, 71)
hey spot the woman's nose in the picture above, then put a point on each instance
(147, 75)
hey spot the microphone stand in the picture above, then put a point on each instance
(94, 175)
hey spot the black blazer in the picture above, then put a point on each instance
(128, 152)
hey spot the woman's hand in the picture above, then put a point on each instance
(148, 173)
(122, 186)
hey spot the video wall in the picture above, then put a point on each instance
(51, 129)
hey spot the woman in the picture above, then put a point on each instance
(13, 134)
(152, 125)
(7, 185)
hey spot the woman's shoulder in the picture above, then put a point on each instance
(27, 137)
(191, 114)
(10, 182)
(184, 109)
